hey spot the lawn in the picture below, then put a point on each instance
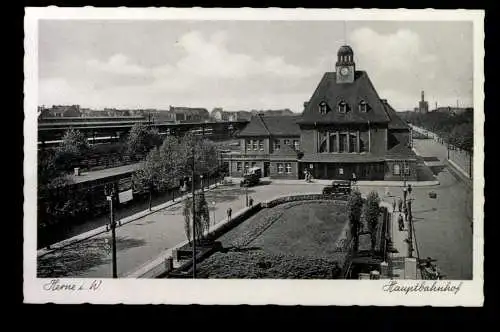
(294, 240)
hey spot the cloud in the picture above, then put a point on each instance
(118, 64)
(400, 51)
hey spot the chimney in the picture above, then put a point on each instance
(384, 101)
(305, 104)
(423, 96)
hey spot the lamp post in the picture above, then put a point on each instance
(194, 215)
(410, 234)
(109, 191)
(213, 204)
(201, 182)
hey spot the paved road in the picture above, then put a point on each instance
(147, 237)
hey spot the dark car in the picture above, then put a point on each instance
(342, 187)
(250, 180)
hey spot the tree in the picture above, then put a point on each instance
(142, 139)
(150, 176)
(205, 154)
(201, 221)
(371, 213)
(355, 206)
(73, 147)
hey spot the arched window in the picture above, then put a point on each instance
(342, 107)
(323, 107)
(363, 106)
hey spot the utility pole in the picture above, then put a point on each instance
(194, 216)
(410, 234)
(109, 196)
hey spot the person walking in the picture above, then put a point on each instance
(394, 205)
(250, 202)
(400, 204)
(229, 211)
(401, 223)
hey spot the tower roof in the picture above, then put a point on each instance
(332, 93)
(345, 50)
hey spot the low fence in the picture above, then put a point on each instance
(462, 159)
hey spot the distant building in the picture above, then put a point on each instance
(218, 114)
(453, 110)
(59, 111)
(190, 114)
(423, 105)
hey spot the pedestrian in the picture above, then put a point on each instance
(405, 209)
(400, 222)
(250, 201)
(229, 211)
(394, 205)
(400, 204)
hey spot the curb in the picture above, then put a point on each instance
(102, 229)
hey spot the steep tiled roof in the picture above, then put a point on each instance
(396, 122)
(400, 151)
(332, 93)
(271, 126)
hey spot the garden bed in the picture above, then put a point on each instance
(296, 240)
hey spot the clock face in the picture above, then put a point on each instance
(344, 71)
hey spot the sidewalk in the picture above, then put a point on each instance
(121, 222)
(359, 183)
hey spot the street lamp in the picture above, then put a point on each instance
(201, 182)
(213, 204)
(109, 191)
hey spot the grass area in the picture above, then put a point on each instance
(293, 240)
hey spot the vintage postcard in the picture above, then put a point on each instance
(254, 156)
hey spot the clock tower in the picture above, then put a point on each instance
(345, 66)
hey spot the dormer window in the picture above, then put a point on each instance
(342, 107)
(323, 107)
(363, 106)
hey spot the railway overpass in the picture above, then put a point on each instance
(53, 129)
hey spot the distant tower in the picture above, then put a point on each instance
(423, 106)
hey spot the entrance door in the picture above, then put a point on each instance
(266, 169)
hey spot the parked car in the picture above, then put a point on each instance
(250, 180)
(338, 187)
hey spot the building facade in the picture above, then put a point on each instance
(345, 131)
(423, 105)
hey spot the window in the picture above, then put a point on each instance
(323, 108)
(396, 170)
(261, 145)
(288, 167)
(341, 171)
(246, 167)
(363, 106)
(280, 168)
(249, 144)
(323, 136)
(407, 170)
(333, 142)
(254, 163)
(296, 145)
(353, 143)
(254, 145)
(276, 144)
(342, 142)
(238, 166)
(342, 107)
(286, 142)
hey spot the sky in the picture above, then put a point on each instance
(240, 65)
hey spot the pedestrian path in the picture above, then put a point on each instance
(104, 229)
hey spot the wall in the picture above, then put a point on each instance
(389, 171)
(308, 140)
(378, 140)
(274, 170)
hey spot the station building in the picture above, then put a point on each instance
(345, 130)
